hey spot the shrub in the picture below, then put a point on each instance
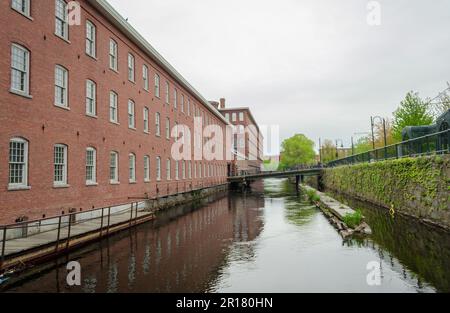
(353, 220)
(312, 195)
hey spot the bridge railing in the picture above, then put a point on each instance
(437, 143)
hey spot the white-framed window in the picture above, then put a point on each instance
(146, 168)
(61, 86)
(18, 163)
(22, 6)
(234, 117)
(113, 111)
(183, 169)
(182, 103)
(131, 114)
(131, 67)
(91, 166)
(195, 169)
(146, 114)
(177, 170)
(91, 39)
(168, 169)
(189, 107)
(145, 76)
(91, 91)
(20, 69)
(157, 91)
(200, 170)
(158, 168)
(167, 93)
(114, 167)
(204, 170)
(158, 124)
(241, 116)
(60, 165)
(113, 55)
(175, 98)
(132, 167)
(167, 128)
(61, 21)
(189, 170)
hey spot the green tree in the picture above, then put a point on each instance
(413, 111)
(363, 144)
(328, 151)
(297, 150)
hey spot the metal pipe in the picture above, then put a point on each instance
(101, 223)
(68, 231)
(3, 245)
(59, 234)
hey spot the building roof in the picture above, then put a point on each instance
(117, 20)
(241, 109)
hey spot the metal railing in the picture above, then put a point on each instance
(437, 143)
(61, 229)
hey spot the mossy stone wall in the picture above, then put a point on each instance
(419, 187)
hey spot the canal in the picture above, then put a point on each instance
(268, 240)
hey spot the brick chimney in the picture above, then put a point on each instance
(215, 104)
(222, 103)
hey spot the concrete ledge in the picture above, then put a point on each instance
(336, 211)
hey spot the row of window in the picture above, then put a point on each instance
(234, 117)
(18, 166)
(21, 59)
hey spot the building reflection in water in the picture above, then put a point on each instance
(183, 250)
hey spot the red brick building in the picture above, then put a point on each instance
(86, 113)
(248, 140)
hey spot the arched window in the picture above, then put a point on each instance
(158, 168)
(18, 163)
(146, 168)
(132, 167)
(60, 165)
(91, 166)
(114, 167)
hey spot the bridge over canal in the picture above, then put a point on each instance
(299, 174)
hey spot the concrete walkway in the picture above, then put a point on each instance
(15, 246)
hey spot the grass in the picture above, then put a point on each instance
(353, 220)
(312, 195)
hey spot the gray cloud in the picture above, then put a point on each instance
(312, 66)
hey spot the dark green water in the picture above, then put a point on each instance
(265, 241)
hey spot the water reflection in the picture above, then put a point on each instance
(267, 240)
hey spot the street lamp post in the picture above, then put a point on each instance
(372, 122)
(337, 147)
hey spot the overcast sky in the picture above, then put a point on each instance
(312, 66)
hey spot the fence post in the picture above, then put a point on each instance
(131, 213)
(59, 234)
(3, 246)
(109, 220)
(101, 223)
(68, 231)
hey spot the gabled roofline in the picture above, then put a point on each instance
(117, 20)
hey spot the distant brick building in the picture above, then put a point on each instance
(86, 113)
(248, 140)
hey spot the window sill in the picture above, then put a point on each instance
(115, 123)
(92, 116)
(62, 38)
(114, 183)
(21, 93)
(62, 186)
(91, 56)
(91, 184)
(18, 188)
(132, 81)
(62, 107)
(114, 70)
(133, 182)
(23, 14)
(147, 181)
(132, 128)
(146, 132)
